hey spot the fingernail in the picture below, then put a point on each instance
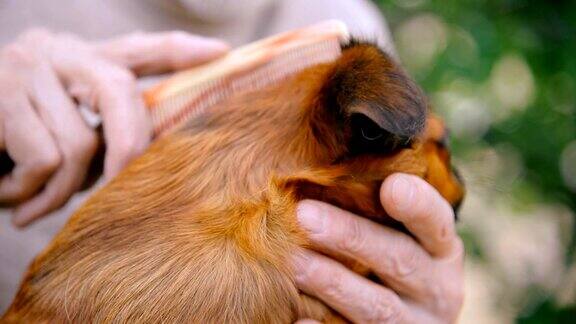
(402, 192)
(311, 217)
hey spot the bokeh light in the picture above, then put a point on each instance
(421, 39)
(512, 83)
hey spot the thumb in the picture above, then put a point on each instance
(155, 53)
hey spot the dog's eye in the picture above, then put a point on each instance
(368, 138)
(371, 133)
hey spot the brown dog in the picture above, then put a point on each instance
(201, 227)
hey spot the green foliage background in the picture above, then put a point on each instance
(543, 34)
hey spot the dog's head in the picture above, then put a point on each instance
(369, 119)
(332, 132)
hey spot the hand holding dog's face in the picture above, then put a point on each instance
(417, 280)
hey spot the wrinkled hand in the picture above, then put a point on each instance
(423, 277)
(45, 76)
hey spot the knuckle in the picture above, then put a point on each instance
(312, 273)
(18, 56)
(82, 145)
(114, 79)
(354, 238)
(384, 308)
(46, 162)
(17, 192)
(126, 148)
(56, 197)
(406, 261)
(450, 302)
(332, 284)
(121, 77)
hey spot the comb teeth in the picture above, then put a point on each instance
(190, 93)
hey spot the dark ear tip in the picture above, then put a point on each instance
(367, 46)
(355, 41)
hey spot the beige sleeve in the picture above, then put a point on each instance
(364, 19)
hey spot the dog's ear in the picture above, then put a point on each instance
(381, 108)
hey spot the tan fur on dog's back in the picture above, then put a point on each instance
(202, 226)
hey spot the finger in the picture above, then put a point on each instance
(394, 256)
(75, 140)
(355, 297)
(127, 126)
(55, 194)
(31, 147)
(416, 204)
(161, 52)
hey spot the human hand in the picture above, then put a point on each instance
(423, 276)
(43, 79)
